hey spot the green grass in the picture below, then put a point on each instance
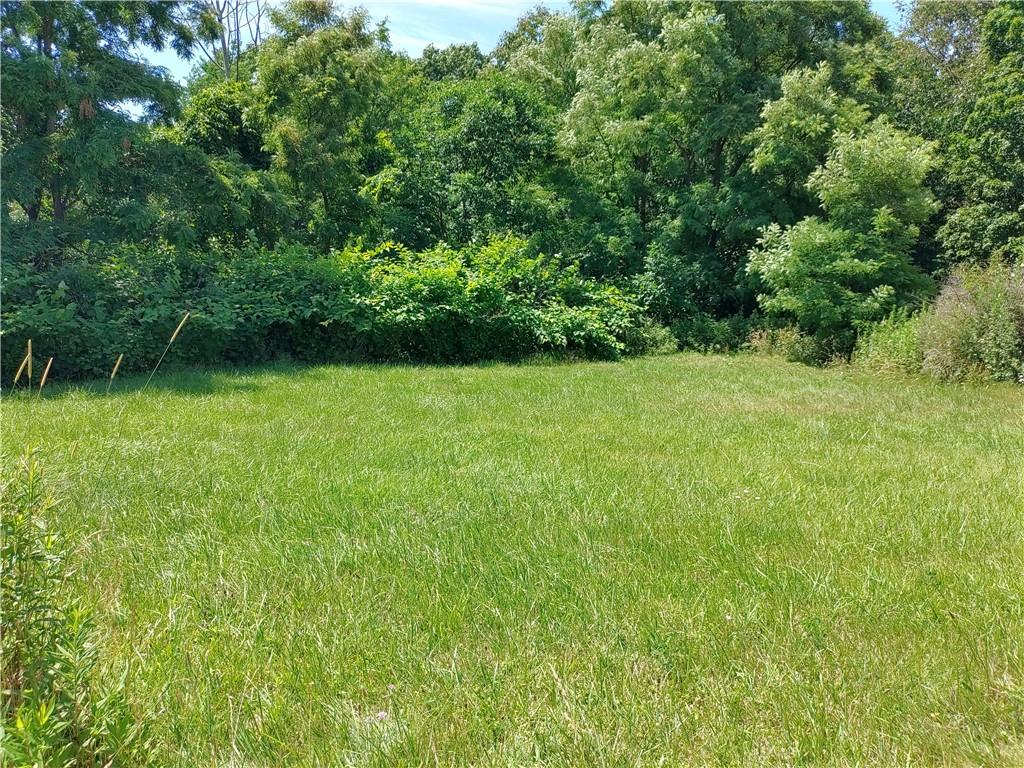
(680, 560)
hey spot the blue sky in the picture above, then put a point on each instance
(415, 23)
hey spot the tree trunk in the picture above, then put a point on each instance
(60, 203)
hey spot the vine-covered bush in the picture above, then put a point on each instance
(251, 304)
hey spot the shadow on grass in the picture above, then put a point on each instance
(224, 379)
(196, 382)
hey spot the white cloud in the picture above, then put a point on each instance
(414, 45)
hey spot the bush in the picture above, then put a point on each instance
(894, 344)
(55, 710)
(708, 334)
(976, 327)
(250, 304)
(788, 342)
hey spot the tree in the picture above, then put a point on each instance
(835, 273)
(456, 62)
(960, 84)
(796, 134)
(225, 29)
(477, 160)
(985, 154)
(662, 123)
(221, 118)
(545, 57)
(68, 71)
(318, 78)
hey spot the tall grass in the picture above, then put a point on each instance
(46, 373)
(976, 327)
(892, 345)
(973, 330)
(163, 354)
(26, 361)
(113, 372)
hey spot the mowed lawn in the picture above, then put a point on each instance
(677, 560)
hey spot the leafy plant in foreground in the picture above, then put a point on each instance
(55, 710)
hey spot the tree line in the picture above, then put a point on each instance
(707, 167)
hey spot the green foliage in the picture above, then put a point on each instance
(960, 84)
(317, 82)
(56, 709)
(833, 275)
(985, 156)
(668, 97)
(976, 327)
(788, 342)
(531, 29)
(708, 334)
(66, 67)
(892, 344)
(797, 131)
(249, 304)
(476, 160)
(541, 51)
(219, 119)
(640, 142)
(454, 62)
(973, 330)
(878, 169)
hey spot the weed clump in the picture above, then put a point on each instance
(56, 710)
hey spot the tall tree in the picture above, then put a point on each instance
(225, 29)
(456, 62)
(853, 265)
(985, 154)
(960, 84)
(68, 71)
(319, 76)
(669, 95)
(476, 157)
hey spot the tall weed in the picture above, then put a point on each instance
(975, 329)
(892, 345)
(56, 710)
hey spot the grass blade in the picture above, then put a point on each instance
(113, 373)
(158, 362)
(21, 369)
(42, 381)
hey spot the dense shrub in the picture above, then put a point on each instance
(250, 304)
(976, 326)
(974, 329)
(894, 344)
(788, 342)
(55, 709)
(705, 333)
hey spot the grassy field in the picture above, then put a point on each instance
(678, 560)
